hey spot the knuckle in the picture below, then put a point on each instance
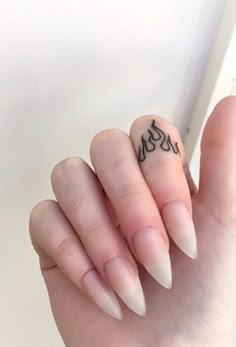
(125, 196)
(126, 192)
(64, 165)
(37, 211)
(95, 227)
(143, 119)
(147, 120)
(64, 248)
(75, 205)
(157, 166)
(36, 214)
(107, 135)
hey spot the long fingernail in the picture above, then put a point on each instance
(125, 281)
(180, 227)
(154, 255)
(99, 292)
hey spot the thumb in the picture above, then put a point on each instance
(217, 186)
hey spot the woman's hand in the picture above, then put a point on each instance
(104, 245)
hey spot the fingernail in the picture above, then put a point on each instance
(154, 255)
(101, 294)
(126, 283)
(180, 227)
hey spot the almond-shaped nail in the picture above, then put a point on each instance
(126, 283)
(154, 255)
(180, 227)
(101, 294)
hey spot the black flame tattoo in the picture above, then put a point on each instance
(156, 135)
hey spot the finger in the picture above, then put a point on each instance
(58, 246)
(79, 194)
(217, 186)
(191, 184)
(161, 155)
(115, 163)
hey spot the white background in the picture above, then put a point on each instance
(69, 69)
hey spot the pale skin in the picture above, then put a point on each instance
(82, 237)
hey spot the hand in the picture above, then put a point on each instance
(110, 227)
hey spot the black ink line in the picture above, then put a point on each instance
(148, 145)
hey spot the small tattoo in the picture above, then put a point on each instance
(156, 134)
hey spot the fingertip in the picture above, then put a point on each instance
(217, 185)
(220, 127)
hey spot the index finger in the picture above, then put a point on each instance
(136, 198)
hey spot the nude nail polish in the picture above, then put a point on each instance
(180, 227)
(126, 283)
(154, 255)
(101, 294)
